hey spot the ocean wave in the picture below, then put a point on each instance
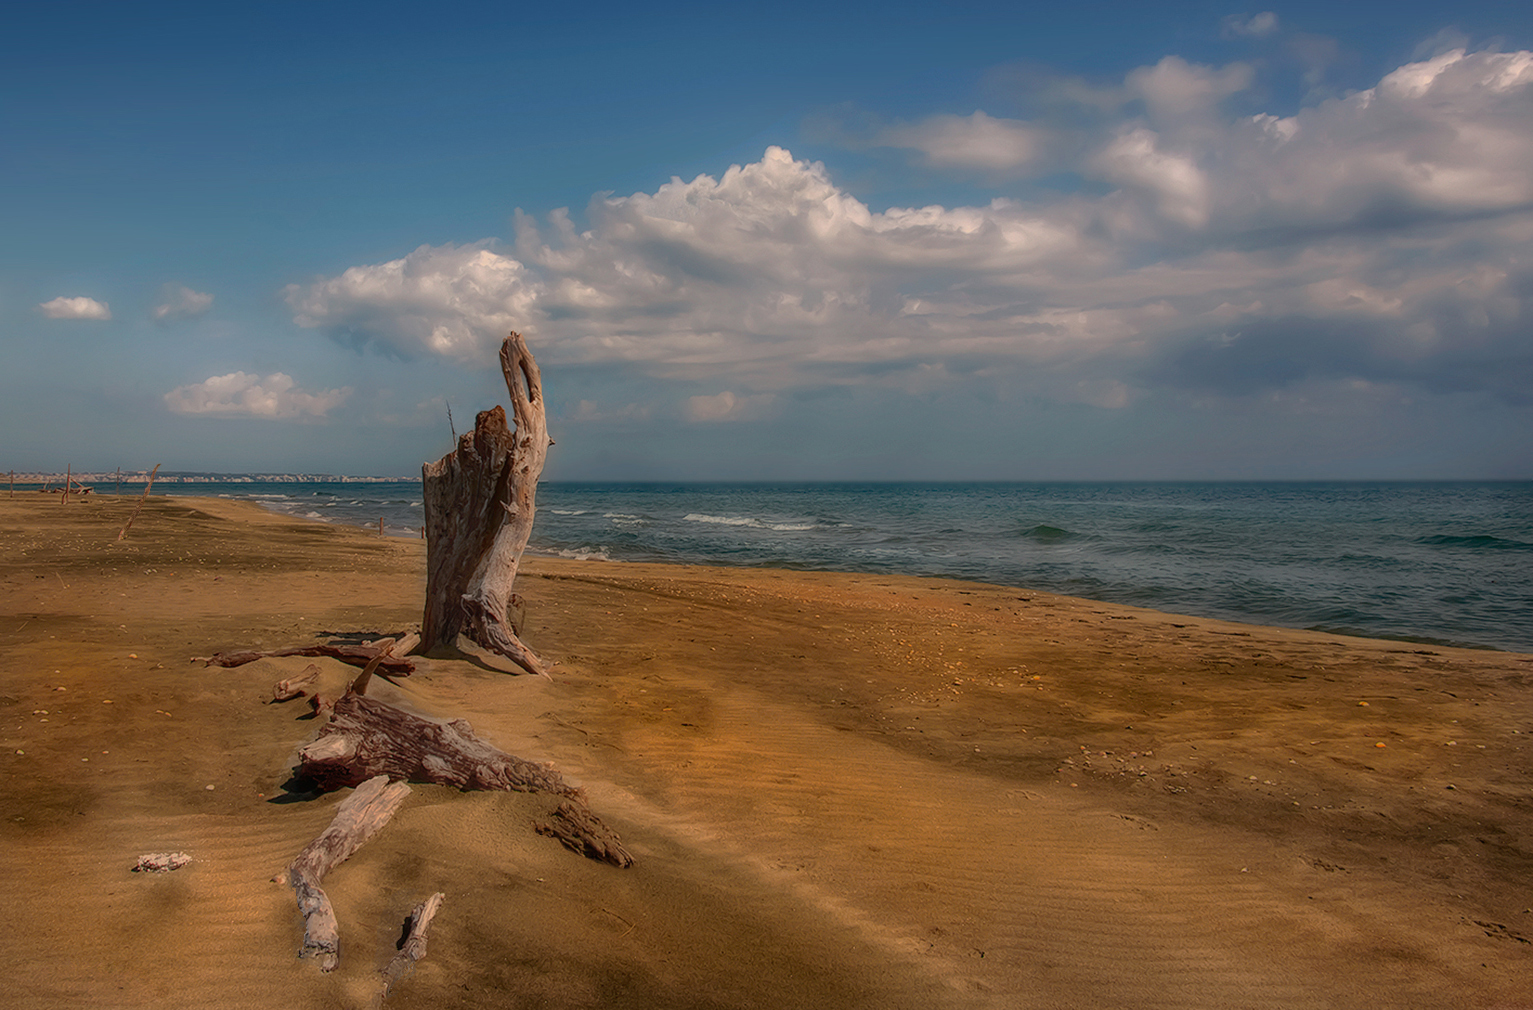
(1478, 542)
(573, 553)
(1048, 534)
(569, 512)
(748, 522)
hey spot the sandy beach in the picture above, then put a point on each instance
(842, 791)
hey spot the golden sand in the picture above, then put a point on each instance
(843, 791)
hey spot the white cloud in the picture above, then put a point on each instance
(75, 308)
(177, 301)
(977, 142)
(1378, 237)
(453, 301)
(240, 393)
(1174, 90)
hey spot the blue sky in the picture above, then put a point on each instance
(1094, 240)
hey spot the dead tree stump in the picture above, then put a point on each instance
(479, 503)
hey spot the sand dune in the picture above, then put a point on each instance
(842, 791)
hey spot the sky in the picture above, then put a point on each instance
(976, 241)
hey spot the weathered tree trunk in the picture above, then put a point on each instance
(479, 510)
(367, 737)
(359, 816)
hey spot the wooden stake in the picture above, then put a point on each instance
(68, 476)
(140, 501)
(380, 526)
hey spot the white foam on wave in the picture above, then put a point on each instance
(575, 553)
(568, 512)
(746, 521)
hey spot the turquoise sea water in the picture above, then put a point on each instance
(1435, 562)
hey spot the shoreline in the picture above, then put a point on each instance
(602, 553)
(845, 789)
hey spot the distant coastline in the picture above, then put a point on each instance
(199, 477)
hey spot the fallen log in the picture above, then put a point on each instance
(413, 948)
(352, 655)
(366, 737)
(479, 505)
(359, 816)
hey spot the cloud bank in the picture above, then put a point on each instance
(75, 308)
(1373, 241)
(243, 394)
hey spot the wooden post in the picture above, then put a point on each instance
(68, 476)
(380, 526)
(479, 504)
(119, 482)
(140, 501)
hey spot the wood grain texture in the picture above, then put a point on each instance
(366, 737)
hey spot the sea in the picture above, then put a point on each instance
(1446, 563)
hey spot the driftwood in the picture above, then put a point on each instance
(161, 862)
(414, 946)
(583, 832)
(366, 737)
(479, 504)
(128, 525)
(393, 665)
(358, 818)
(296, 687)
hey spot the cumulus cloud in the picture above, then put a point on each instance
(449, 300)
(1379, 237)
(75, 308)
(177, 301)
(243, 394)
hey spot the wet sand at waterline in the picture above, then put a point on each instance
(842, 791)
